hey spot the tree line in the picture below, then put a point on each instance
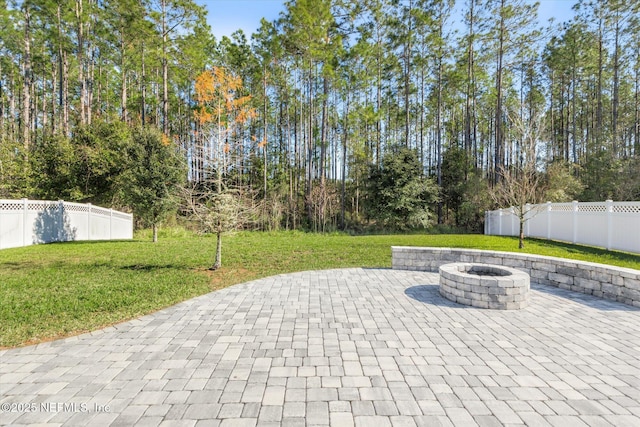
(339, 114)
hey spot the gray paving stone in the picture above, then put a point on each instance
(342, 347)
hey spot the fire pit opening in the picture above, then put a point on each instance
(487, 270)
(485, 286)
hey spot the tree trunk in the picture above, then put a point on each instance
(439, 119)
(266, 125)
(470, 82)
(155, 232)
(123, 75)
(378, 102)
(599, 106)
(499, 149)
(165, 72)
(218, 262)
(407, 77)
(616, 85)
(27, 83)
(521, 234)
(344, 164)
(143, 89)
(323, 153)
(64, 98)
(63, 89)
(81, 60)
(2, 109)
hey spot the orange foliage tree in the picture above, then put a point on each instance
(222, 112)
(223, 109)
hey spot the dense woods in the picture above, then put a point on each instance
(341, 114)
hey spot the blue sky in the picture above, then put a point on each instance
(226, 16)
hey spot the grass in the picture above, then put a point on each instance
(56, 290)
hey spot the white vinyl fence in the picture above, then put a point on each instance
(612, 225)
(28, 222)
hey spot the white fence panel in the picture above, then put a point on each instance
(26, 222)
(612, 225)
(625, 228)
(591, 221)
(561, 219)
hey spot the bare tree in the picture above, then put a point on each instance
(521, 186)
(218, 211)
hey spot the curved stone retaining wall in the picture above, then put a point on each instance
(605, 281)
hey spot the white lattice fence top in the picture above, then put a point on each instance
(595, 207)
(40, 205)
(561, 207)
(100, 211)
(11, 205)
(622, 207)
(76, 207)
(592, 207)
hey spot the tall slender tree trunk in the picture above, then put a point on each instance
(27, 73)
(407, 77)
(143, 88)
(81, 60)
(378, 101)
(574, 120)
(323, 152)
(637, 104)
(439, 141)
(439, 112)
(64, 99)
(309, 141)
(616, 84)
(599, 107)
(470, 79)
(3, 133)
(266, 126)
(343, 224)
(63, 85)
(165, 72)
(422, 110)
(12, 106)
(124, 113)
(499, 142)
(54, 111)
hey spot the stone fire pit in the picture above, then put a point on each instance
(485, 286)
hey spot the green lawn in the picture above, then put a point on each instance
(56, 290)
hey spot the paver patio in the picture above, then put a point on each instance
(362, 347)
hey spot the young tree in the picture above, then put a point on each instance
(154, 174)
(521, 183)
(215, 212)
(223, 109)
